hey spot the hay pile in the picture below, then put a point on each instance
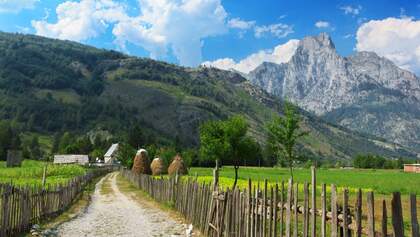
(141, 164)
(177, 165)
(157, 166)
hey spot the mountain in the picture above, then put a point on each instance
(363, 92)
(49, 85)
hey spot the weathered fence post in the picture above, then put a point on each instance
(358, 214)
(397, 218)
(333, 211)
(276, 194)
(216, 176)
(305, 210)
(313, 204)
(371, 214)
(345, 213)
(295, 210)
(44, 177)
(324, 210)
(413, 212)
(384, 219)
(289, 207)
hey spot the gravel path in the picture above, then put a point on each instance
(112, 213)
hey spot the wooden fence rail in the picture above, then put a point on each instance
(22, 206)
(278, 210)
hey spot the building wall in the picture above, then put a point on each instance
(71, 159)
(412, 168)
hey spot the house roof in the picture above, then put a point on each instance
(111, 151)
(411, 164)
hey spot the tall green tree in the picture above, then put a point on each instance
(228, 142)
(136, 137)
(284, 132)
(125, 154)
(65, 141)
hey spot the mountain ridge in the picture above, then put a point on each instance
(48, 85)
(363, 92)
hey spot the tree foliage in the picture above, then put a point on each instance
(370, 161)
(284, 132)
(228, 142)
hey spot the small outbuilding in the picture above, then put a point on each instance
(71, 159)
(110, 155)
(412, 168)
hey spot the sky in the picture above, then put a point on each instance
(229, 34)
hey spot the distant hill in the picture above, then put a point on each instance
(363, 92)
(49, 85)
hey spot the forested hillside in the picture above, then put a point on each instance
(49, 86)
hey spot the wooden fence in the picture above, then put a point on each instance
(277, 210)
(22, 206)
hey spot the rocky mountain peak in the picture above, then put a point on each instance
(364, 92)
(316, 43)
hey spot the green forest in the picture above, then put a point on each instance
(63, 97)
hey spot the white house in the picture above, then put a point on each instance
(71, 159)
(109, 156)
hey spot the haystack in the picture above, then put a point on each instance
(157, 166)
(141, 164)
(177, 165)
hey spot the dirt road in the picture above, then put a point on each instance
(114, 213)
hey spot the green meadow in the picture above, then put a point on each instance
(31, 172)
(379, 181)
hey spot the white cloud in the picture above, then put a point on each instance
(279, 30)
(82, 20)
(280, 54)
(237, 23)
(322, 24)
(351, 10)
(15, 6)
(394, 38)
(161, 25)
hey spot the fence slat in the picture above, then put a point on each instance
(324, 210)
(257, 210)
(371, 214)
(295, 210)
(276, 194)
(289, 207)
(333, 211)
(313, 204)
(25, 205)
(345, 213)
(413, 212)
(384, 219)
(397, 218)
(305, 210)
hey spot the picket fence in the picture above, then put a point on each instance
(277, 210)
(23, 206)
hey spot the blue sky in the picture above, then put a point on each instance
(227, 34)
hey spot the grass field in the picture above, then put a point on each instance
(382, 182)
(379, 181)
(31, 173)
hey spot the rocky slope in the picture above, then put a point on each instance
(49, 86)
(363, 92)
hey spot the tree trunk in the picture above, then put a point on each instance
(291, 169)
(236, 176)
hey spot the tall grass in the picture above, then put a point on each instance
(31, 172)
(379, 181)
